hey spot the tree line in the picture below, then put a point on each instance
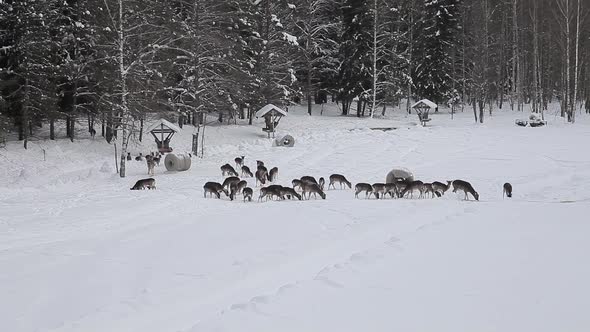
(109, 63)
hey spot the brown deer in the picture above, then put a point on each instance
(338, 178)
(360, 187)
(466, 187)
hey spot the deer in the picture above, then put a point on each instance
(142, 184)
(338, 178)
(466, 187)
(360, 187)
(228, 169)
(239, 161)
(214, 188)
(312, 188)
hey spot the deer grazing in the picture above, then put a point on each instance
(338, 178)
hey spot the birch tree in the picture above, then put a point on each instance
(564, 17)
(132, 37)
(576, 64)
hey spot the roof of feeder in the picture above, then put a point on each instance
(166, 123)
(269, 108)
(425, 102)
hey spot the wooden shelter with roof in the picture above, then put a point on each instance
(272, 115)
(422, 108)
(163, 131)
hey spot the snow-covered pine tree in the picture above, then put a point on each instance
(355, 74)
(480, 15)
(197, 75)
(316, 24)
(273, 48)
(433, 70)
(75, 55)
(242, 34)
(390, 50)
(28, 61)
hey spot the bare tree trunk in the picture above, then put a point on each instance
(410, 51)
(576, 65)
(536, 62)
(475, 110)
(564, 9)
(25, 116)
(309, 82)
(482, 106)
(67, 126)
(359, 106)
(345, 106)
(141, 128)
(124, 110)
(501, 78)
(375, 29)
(464, 97)
(515, 54)
(52, 129)
(486, 93)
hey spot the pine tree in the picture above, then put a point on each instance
(198, 74)
(274, 70)
(315, 23)
(28, 63)
(433, 71)
(355, 45)
(245, 41)
(75, 60)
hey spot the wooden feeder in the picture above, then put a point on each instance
(422, 108)
(163, 131)
(272, 115)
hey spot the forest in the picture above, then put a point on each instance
(110, 64)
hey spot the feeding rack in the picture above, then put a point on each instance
(163, 131)
(272, 115)
(422, 108)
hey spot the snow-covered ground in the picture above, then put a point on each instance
(79, 251)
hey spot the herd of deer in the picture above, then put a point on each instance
(307, 185)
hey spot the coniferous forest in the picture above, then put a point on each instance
(110, 63)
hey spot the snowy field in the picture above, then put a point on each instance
(79, 251)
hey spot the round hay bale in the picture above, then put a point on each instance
(177, 163)
(171, 162)
(186, 163)
(399, 173)
(286, 141)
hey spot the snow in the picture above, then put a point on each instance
(291, 39)
(79, 251)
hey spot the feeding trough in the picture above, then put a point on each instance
(272, 115)
(422, 108)
(163, 131)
